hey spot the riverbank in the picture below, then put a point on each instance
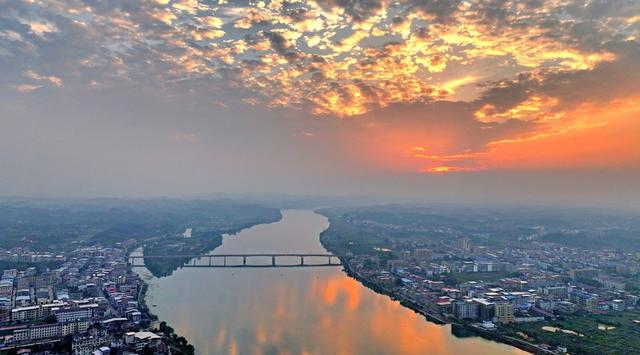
(491, 335)
(178, 344)
(199, 243)
(200, 240)
(414, 306)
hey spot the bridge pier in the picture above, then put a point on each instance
(224, 261)
(273, 260)
(209, 260)
(301, 260)
(244, 260)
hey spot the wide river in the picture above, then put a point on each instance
(314, 310)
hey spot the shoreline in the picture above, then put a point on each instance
(436, 319)
(404, 301)
(170, 333)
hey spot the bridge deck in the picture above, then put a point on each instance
(297, 255)
(228, 260)
(255, 266)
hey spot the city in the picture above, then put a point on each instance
(535, 291)
(319, 177)
(91, 303)
(521, 291)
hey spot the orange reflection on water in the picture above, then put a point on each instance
(390, 327)
(261, 335)
(295, 313)
(221, 337)
(311, 311)
(233, 347)
(337, 288)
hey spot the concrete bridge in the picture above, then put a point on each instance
(244, 260)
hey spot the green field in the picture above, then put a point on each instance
(623, 339)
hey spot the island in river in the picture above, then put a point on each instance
(203, 237)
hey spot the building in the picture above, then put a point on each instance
(35, 332)
(503, 312)
(557, 292)
(565, 307)
(485, 309)
(74, 327)
(44, 331)
(10, 273)
(70, 314)
(140, 340)
(29, 314)
(422, 254)
(618, 305)
(5, 303)
(105, 350)
(86, 344)
(465, 309)
(583, 274)
(465, 244)
(434, 285)
(134, 315)
(6, 287)
(486, 266)
(612, 283)
(584, 300)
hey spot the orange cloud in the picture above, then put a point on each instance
(587, 136)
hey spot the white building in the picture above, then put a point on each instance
(71, 314)
(44, 331)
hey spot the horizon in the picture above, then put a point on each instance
(284, 201)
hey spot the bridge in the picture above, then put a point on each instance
(244, 260)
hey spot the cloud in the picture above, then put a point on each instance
(604, 82)
(357, 10)
(330, 57)
(51, 79)
(461, 79)
(41, 29)
(27, 88)
(440, 10)
(184, 137)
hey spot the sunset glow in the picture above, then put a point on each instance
(320, 176)
(435, 87)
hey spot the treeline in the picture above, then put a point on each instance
(62, 225)
(178, 344)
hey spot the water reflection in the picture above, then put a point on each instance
(295, 311)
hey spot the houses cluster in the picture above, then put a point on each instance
(23, 255)
(89, 305)
(493, 285)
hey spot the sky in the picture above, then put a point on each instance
(447, 100)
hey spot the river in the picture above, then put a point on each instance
(317, 310)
